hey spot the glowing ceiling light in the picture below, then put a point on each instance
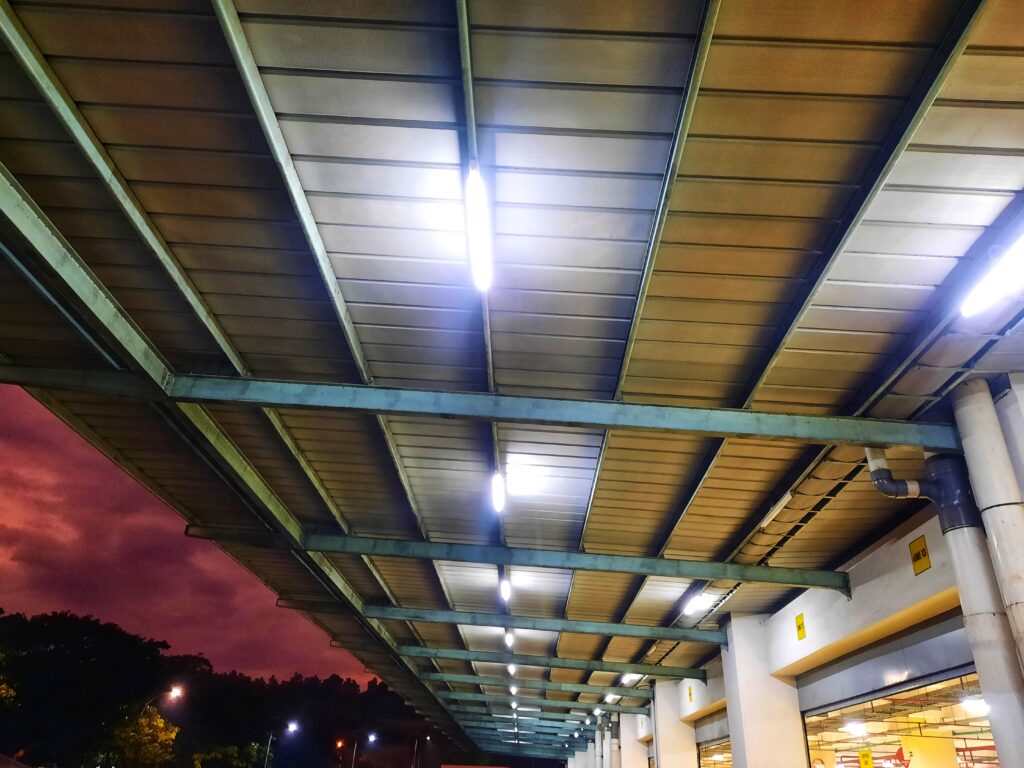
(510, 638)
(587, 721)
(478, 230)
(608, 699)
(718, 757)
(699, 604)
(1004, 278)
(630, 678)
(597, 712)
(975, 706)
(511, 669)
(498, 492)
(857, 730)
(575, 734)
(515, 705)
(506, 590)
(513, 690)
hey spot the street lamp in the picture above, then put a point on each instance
(291, 727)
(370, 737)
(176, 692)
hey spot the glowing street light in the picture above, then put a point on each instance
(176, 692)
(293, 726)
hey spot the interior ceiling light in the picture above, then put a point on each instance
(1004, 278)
(610, 698)
(597, 712)
(699, 604)
(515, 705)
(498, 492)
(478, 230)
(511, 669)
(975, 706)
(630, 677)
(587, 721)
(857, 730)
(506, 590)
(513, 690)
(510, 638)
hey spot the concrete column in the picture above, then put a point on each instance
(988, 630)
(998, 495)
(580, 759)
(675, 742)
(570, 763)
(632, 751)
(599, 746)
(590, 755)
(765, 725)
(615, 742)
(606, 749)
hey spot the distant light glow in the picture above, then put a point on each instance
(524, 476)
(511, 669)
(575, 734)
(498, 492)
(506, 590)
(699, 604)
(292, 726)
(372, 738)
(515, 705)
(597, 712)
(610, 698)
(176, 692)
(510, 638)
(478, 230)
(857, 730)
(1003, 279)
(587, 721)
(975, 706)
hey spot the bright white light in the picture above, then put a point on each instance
(292, 726)
(597, 712)
(699, 604)
(630, 678)
(478, 230)
(372, 738)
(857, 730)
(176, 692)
(506, 590)
(718, 757)
(511, 669)
(524, 477)
(498, 492)
(610, 698)
(515, 705)
(575, 734)
(975, 706)
(510, 638)
(587, 721)
(1003, 279)
(513, 690)
(428, 738)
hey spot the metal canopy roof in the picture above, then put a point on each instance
(734, 204)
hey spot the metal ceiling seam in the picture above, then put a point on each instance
(46, 241)
(34, 63)
(234, 34)
(916, 105)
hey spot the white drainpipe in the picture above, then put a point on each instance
(997, 493)
(988, 630)
(615, 744)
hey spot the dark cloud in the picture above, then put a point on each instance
(77, 533)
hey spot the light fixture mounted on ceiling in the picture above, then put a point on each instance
(478, 229)
(498, 492)
(1004, 278)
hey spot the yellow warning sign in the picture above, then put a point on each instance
(919, 555)
(801, 628)
(866, 760)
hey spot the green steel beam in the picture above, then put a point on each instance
(599, 414)
(560, 726)
(557, 662)
(560, 735)
(522, 750)
(535, 558)
(456, 709)
(477, 619)
(543, 685)
(493, 698)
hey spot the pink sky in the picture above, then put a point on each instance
(78, 534)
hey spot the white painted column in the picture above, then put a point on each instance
(765, 725)
(988, 631)
(580, 759)
(615, 741)
(571, 762)
(606, 749)
(998, 495)
(599, 746)
(632, 751)
(591, 754)
(675, 742)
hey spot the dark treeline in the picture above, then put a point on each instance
(79, 693)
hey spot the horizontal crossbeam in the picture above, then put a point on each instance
(556, 662)
(599, 414)
(532, 725)
(539, 685)
(535, 558)
(477, 619)
(526, 715)
(493, 698)
(525, 750)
